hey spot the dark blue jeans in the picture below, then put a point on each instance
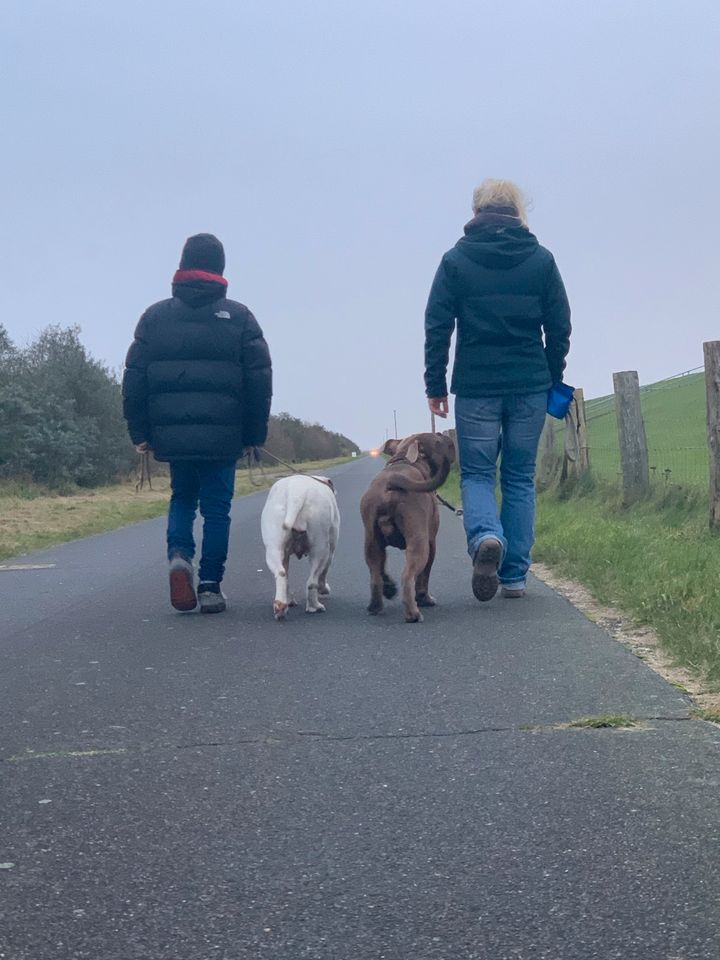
(211, 483)
(487, 428)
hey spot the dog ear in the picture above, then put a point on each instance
(413, 452)
(390, 447)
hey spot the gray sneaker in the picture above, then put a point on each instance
(512, 593)
(485, 569)
(182, 590)
(211, 597)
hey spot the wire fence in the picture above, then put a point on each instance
(675, 424)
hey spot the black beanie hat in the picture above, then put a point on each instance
(203, 252)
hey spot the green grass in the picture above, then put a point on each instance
(450, 490)
(609, 721)
(675, 424)
(657, 560)
(32, 517)
(712, 716)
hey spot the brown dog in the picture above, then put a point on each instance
(400, 510)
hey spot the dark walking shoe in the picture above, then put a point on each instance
(182, 591)
(211, 597)
(485, 569)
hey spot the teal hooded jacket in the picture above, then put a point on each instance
(504, 293)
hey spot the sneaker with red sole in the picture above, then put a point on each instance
(182, 588)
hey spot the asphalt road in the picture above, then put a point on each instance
(337, 787)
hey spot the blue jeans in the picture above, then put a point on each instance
(212, 484)
(487, 427)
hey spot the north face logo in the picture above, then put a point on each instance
(222, 315)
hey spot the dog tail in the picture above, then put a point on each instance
(294, 505)
(409, 485)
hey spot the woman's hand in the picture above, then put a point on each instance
(438, 406)
(142, 447)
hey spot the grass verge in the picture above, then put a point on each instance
(32, 517)
(656, 560)
(450, 490)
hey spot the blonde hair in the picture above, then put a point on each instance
(500, 193)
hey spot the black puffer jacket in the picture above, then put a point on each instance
(506, 293)
(198, 379)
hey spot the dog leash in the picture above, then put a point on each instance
(143, 472)
(456, 510)
(276, 459)
(254, 455)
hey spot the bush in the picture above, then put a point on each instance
(60, 413)
(61, 419)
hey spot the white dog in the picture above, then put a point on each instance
(300, 517)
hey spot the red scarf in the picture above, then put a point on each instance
(190, 276)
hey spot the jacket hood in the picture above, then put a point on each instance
(199, 293)
(203, 251)
(497, 241)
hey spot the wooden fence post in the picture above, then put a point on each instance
(548, 463)
(576, 458)
(711, 350)
(631, 435)
(583, 464)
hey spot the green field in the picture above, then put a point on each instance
(674, 414)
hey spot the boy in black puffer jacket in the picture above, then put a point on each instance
(197, 391)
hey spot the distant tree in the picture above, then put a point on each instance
(61, 417)
(60, 413)
(294, 440)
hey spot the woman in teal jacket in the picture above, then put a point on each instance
(506, 296)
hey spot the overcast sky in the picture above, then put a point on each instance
(333, 147)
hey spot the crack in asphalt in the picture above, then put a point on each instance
(318, 736)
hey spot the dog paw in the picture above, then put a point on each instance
(317, 609)
(280, 610)
(425, 600)
(293, 602)
(374, 607)
(389, 588)
(324, 590)
(416, 617)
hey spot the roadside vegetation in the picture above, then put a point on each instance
(67, 467)
(33, 517)
(655, 560)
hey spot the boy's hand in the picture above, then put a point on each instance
(143, 447)
(438, 406)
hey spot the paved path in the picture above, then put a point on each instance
(338, 787)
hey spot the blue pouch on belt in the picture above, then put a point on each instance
(560, 397)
